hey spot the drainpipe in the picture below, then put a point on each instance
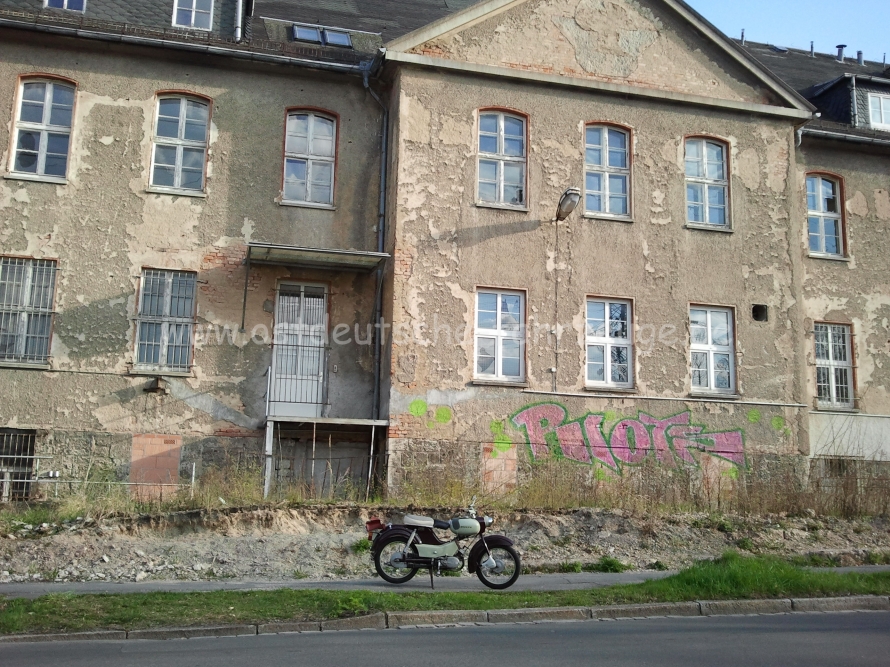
(239, 11)
(381, 230)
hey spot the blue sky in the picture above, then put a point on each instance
(862, 25)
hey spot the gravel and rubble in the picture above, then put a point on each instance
(320, 542)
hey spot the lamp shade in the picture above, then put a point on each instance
(567, 203)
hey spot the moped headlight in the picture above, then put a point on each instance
(488, 521)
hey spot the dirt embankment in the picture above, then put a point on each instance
(318, 542)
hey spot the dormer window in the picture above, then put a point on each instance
(324, 36)
(879, 106)
(71, 5)
(197, 14)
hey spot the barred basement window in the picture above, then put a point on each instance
(43, 129)
(834, 366)
(27, 289)
(180, 144)
(16, 464)
(166, 321)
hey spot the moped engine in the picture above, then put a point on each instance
(451, 563)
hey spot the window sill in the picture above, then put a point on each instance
(307, 204)
(715, 395)
(611, 390)
(837, 409)
(500, 383)
(24, 365)
(502, 207)
(157, 372)
(831, 258)
(176, 192)
(189, 27)
(724, 229)
(37, 178)
(606, 218)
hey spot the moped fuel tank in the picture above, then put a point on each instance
(465, 527)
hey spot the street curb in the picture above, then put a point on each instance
(414, 619)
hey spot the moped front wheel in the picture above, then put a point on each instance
(383, 562)
(502, 570)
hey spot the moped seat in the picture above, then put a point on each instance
(425, 522)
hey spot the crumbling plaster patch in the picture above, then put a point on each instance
(858, 205)
(882, 204)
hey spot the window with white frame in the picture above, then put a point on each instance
(166, 320)
(27, 289)
(71, 5)
(824, 216)
(309, 150)
(196, 14)
(180, 143)
(500, 335)
(43, 128)
(501, 159)
(707, 186)
(606, 171)
(834, 366)
(879, 106)
(609, 343)
(711, 349)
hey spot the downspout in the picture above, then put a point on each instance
(855, 101)
(239, 12)
(381, 231)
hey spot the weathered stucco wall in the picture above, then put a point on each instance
(446, 247)
(641, 43)
(103, 227)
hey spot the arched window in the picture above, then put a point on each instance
(309, 157)
(707, 183)
(824, 218)
(180, 143)
(606, 171)
(502, 159)
(43, 128)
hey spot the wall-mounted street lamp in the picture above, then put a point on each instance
(567, 203)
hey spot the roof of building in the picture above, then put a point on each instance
(805, 73)
(389, 18)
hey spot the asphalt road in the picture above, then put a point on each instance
(791, 640)
(529, 582)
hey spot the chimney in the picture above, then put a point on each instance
(840, 52)
(812, 49)
(860, 58)
(743, 36)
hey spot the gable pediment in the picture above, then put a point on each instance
(638, 43)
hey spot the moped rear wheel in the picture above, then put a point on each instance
(505, 570)
(383, 559)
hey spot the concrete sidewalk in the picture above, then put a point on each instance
(529, 582)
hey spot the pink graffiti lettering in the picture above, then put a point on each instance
(620, 443)
(659, 434)
(672, 439)
(533, 420)
(598, 447)
(571, 441)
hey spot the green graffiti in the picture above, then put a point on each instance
(496, 427)
(754, 416)
(600, 474)
(732, 473)
(778, 423)
(418, 407)
(610, 416)
(502, 442)
(431, 424)
(443, 414)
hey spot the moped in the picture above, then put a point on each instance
(400, 550)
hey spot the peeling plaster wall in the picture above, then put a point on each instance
(446, 247)
(640, 43)
(103, 227)
(856, 292)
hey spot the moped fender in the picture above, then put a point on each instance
(386, 533)
(479, 548)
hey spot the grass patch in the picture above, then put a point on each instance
(731, 577)
(607, 564)
(361, 546)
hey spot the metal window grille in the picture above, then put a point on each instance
(27, 288)
(834, 365)
(166, 320)
(16, 464)
(300, 350)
